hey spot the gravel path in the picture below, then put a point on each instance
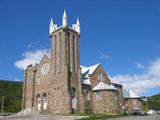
(152, 117)
(42, 117)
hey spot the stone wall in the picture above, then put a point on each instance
(108, 103)
(54, 88)
(87, 95)
(28, 88)
(53, 91)
(105, 102)
(120, 97)
(132, 103)
(94, 77)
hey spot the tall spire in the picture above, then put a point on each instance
(64, 19)
(78, 23)
(25, 67)
(78, 29)
(51, 27)
(64, 14)
(51, 23)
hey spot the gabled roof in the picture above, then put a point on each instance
(103, 86)
(45, 57)
(117, 84)
(89, 70)
(86, 71)
(129, 94)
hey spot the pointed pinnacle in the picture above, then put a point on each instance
(51, 23)
(78, 23)
(25, 67)
(64, 14)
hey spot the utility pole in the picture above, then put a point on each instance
(2, 105)
(147, 103)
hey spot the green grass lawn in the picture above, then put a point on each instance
(100, 117)
(97, 117)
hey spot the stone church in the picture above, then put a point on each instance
(60, 85)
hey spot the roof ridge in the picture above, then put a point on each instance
(103, 86)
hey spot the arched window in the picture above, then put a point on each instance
(98, 96)
(60, 42)
(55, 48)
(68, 46)
(74, 51)
(45, 99)
(72, 92)
(38, 98)
(88, 96)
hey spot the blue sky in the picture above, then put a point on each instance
(121, 35)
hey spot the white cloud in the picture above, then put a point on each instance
(32, 44)
(138, 83)
(17, 79)
(35, 45)
(141, 83)
(105, 56)
(140, 66)
(30, 56)
(154, 68)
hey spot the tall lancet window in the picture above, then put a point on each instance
(71, 53)
(60, 53)
(55, 39)
(74, 51)
(68, 49)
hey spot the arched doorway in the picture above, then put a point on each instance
(73, 99)
(45, 101)
(39, 102)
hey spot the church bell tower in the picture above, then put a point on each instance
(65, 60)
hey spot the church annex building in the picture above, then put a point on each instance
(59, 85)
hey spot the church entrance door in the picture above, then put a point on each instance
(39, 106)
(45, 101)
(74, 99)
(39, 102)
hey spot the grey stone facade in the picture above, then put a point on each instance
(57, 85)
